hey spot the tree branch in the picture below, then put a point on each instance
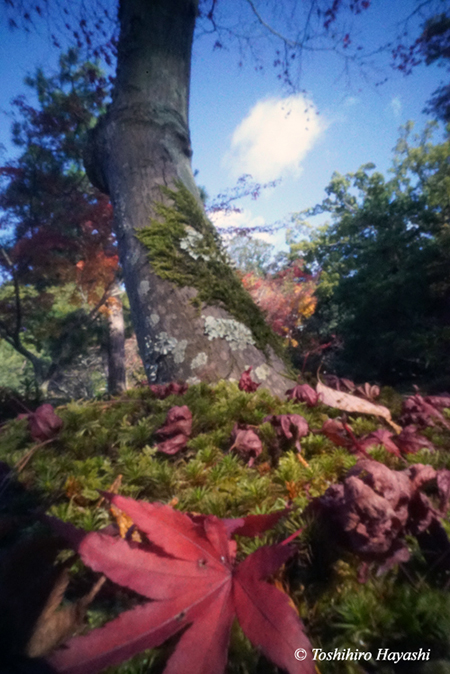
(16, 294)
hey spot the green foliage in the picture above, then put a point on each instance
(384, 259)
(184, 247)
(251, 256)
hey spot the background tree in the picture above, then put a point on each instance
(58, 252)
(384, 258)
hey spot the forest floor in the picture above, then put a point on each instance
(364, 493)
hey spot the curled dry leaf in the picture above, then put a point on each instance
(188, 569)
(303, 393)
(416, 410)
(368, 391)
(438, 401)
(288, 427)
(162, 391)
(246, 442)
(246, 383)
(339, 383)
(176, 429)
(44, 423)
(376, 507)
(410, 441)
(350, 403)
(32, 587)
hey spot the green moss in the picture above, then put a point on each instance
(184, 247)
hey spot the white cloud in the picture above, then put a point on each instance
(396, 106)
(274, 137)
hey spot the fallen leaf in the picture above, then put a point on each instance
(289, 429)
(376, 507)
(410, 441)
(381, 437)
(303, 393)
(246, 441)
(368, 391)
(246, 383)
(44, 423)
(162, 391)
(32, 587)
(339, 383)
(350, 403)
(190, 574)
(176, 429)
(438, 401)
(416, 410)
(336, 432)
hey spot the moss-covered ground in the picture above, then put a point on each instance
(404, 609)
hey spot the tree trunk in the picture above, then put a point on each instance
(141, 144)
(117, 380)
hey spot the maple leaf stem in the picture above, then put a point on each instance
(292, 536)
(302, 460)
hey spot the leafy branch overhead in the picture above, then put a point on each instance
(187, 566)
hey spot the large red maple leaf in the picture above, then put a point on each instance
(188, 569)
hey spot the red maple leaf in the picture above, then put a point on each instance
(246, 382)
(188, 569)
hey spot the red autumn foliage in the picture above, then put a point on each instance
(246, 383)
(162, 391)
(376, 507)
(44, 423)
(246, 442)
(176, 430)
(287, 298)
(188, 569)
(303, 393)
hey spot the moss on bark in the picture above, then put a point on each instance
(183, 247)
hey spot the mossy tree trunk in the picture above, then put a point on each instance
(140, 145)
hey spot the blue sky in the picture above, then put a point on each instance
(244, 121)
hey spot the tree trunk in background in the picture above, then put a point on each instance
(117, 376)
(141, 144)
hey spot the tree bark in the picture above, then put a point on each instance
(141, 144)
(117, 379)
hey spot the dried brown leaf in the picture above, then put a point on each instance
(350, 403)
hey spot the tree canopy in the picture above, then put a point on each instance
(383, 259)
(58, 256)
